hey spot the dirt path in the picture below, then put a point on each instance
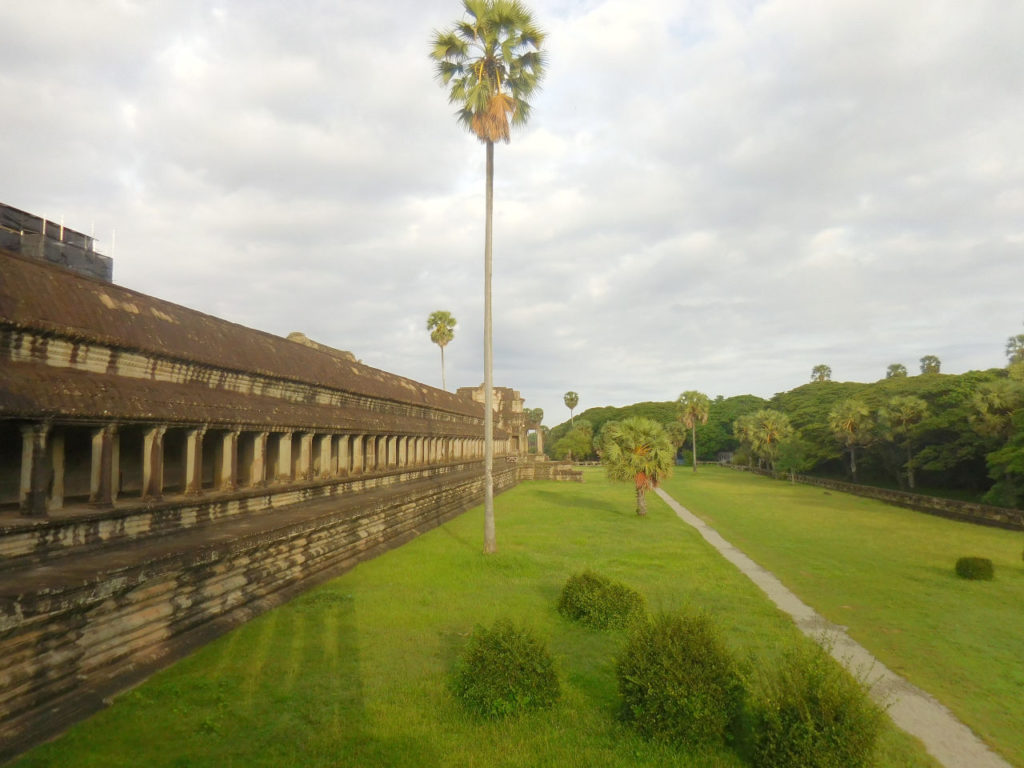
(947, 739)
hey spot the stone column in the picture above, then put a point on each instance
(56, 500)
(382, 452)
(105, 465)
(540, 441)
(229, 462)
(35, 470)
(283, 470)
(258, 470)
(305, 456)
(357, 454)
(153, 462)
(324, 444)
(343, 454)
(194, 461)
(393, 451)
(403, 451)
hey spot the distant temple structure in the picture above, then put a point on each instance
(165, 475)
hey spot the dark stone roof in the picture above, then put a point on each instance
(53, 301)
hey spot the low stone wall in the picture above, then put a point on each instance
(981, 514)
(534, 468)
(70, 637)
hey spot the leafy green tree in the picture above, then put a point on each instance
(852, 425)
(637, 450)
(896, 371)
(571, 400)
(902, 414)
(1006, 468)
(694, 408)
(534, 416)
(792, 456)
(577, 443)
(994, 404)
(821, 373)
(930, 364)
(441, 325)
(1015, 348)
(491, 61)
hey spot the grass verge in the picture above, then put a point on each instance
(354, 673)
(888, 574)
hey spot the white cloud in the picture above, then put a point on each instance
(713, 194)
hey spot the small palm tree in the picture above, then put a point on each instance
(441, 325)
(637, 450)
(821, 373)
(491, 62)
(769, 430)
(571, 400)
(693, 408)
(930, 364)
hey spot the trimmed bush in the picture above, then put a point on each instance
(598, 602)
(975, 568)
(812, 713)
(505, 670)
(678, 681)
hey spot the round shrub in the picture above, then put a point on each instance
(975, 568)
(812, 713)
(678, 681)
(598, 602)
(505, 670)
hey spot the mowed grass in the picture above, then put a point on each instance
(888, 574)
(355, 673)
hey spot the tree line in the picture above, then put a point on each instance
(954, 434)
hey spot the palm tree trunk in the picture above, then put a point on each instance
(490, 543)
(641, 502)
(853, 463)
(444, 384)
(910, 467)
(693, 442)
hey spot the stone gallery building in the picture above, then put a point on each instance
(165, 475)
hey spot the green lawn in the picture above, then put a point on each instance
(353, 673)
(887, 574)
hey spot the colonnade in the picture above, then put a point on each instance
(100, 464)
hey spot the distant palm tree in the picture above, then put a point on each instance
(637, 450)
(896, 371)
(852, 425)
(491, 62)
(930, 364)
(441, 325)
(1015, 348)
(821, 373)
(571, 400)
(693, 408)
(769, 430)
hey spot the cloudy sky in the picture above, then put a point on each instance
(711, 194)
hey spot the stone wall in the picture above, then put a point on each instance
(108, 616)
(981, 514)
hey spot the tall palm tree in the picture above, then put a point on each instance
(571, 400)
(693, 408)
(637, 450)
(441, 325)
(491, 62)
(852, 425)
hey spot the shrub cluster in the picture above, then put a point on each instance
(599, 602)
(975, 568)
(505, 670)
(812, 713)
(678, 681)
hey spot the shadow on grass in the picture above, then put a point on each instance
(582, 502)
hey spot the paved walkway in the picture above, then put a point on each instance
(947, 739)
